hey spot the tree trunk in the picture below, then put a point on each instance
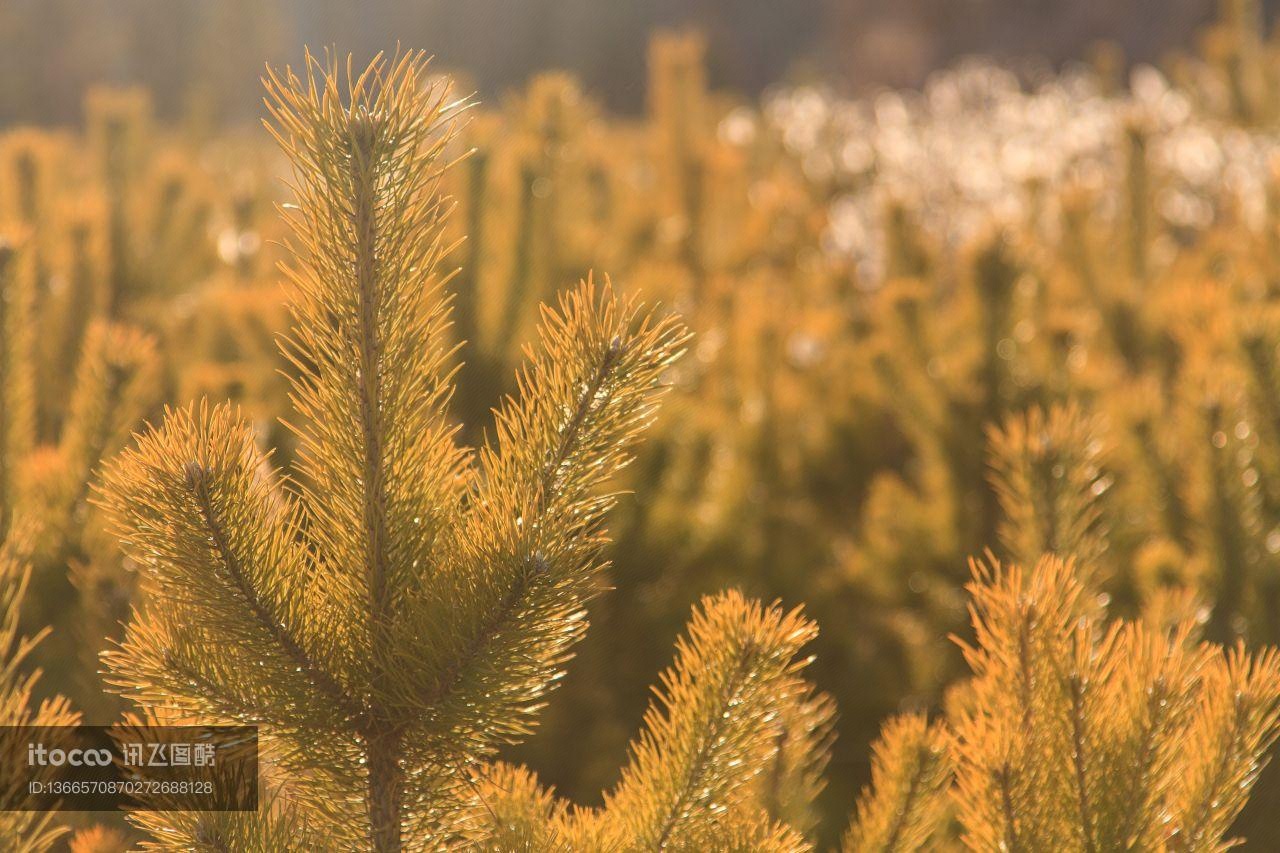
(386, 791)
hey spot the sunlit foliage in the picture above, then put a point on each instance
(1040, 317)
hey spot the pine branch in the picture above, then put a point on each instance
(1122, 737)
(276, 826)
(221, 550)
(706, 738)
(116, 384)
(906, 802)
(22, 831)
(1237, 722)
(1162, 683)
(790, 786)
(1016, 770)
(1047, 470)
(745, 832)
(197, 482)
(514, 813)
(369, 339)
(500, 616)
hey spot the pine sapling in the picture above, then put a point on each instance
(398, 608)
(1076, 734)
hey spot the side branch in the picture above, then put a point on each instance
(908, 804)
(533, 566)
(697, 767)
(322, 680)
(571, 431)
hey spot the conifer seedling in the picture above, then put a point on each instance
(396, 609)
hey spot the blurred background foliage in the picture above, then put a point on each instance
(201, 60)
(928, 321)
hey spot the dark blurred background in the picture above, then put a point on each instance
(202, 58)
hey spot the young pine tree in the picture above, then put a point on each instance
(1076, 734)
(397, 610)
